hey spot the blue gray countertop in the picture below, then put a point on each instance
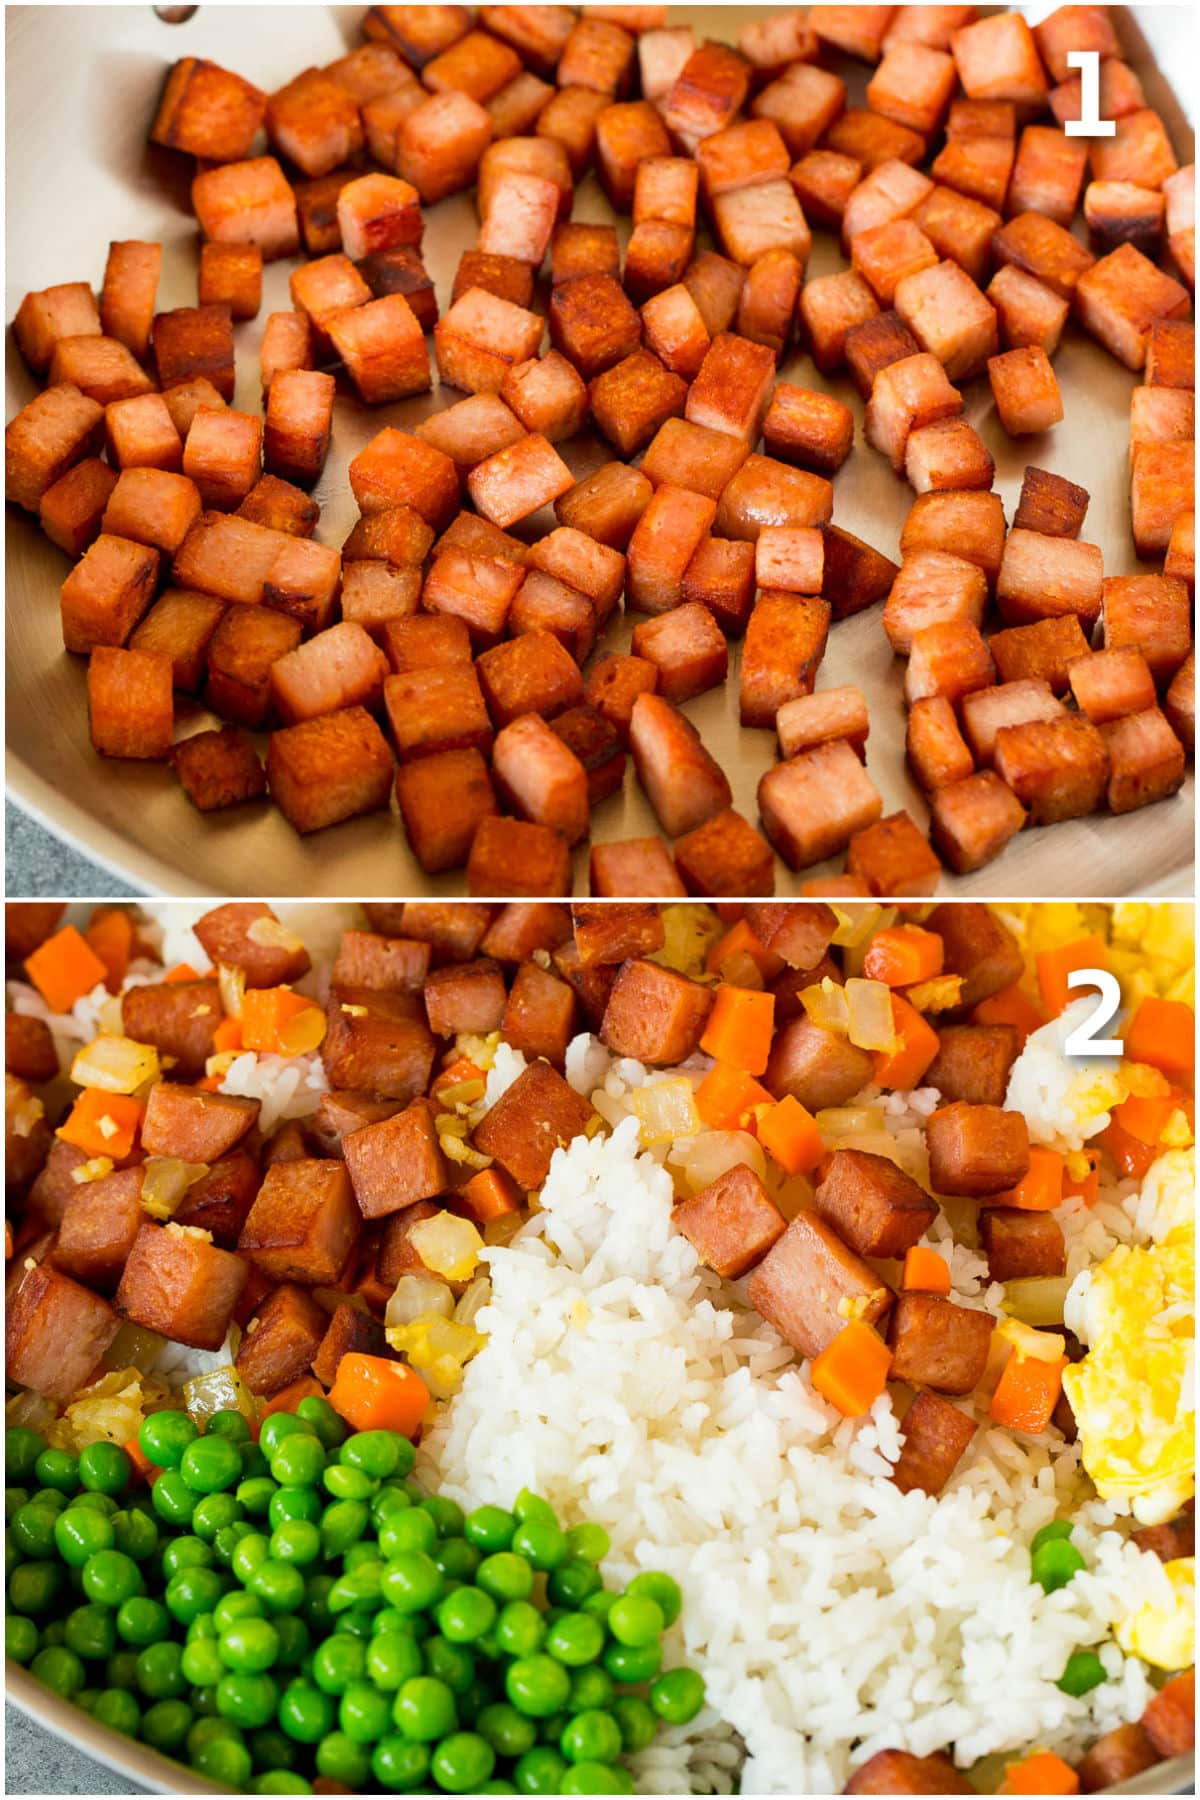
(39, 864)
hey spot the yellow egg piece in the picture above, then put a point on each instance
(1165, 1635)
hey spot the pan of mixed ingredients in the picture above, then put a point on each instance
(531, 1349)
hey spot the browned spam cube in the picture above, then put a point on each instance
(471, 430)
(578, 249)
(594, 569)
(666, 187)
(932, 588)
(1110, 684)
(537, 33)
(824, 181)
(184, 400)
(194, 341)
(44, 318)
(1119, 212)
(694, 457)
(1180, 559)
(632, 400)
(947, 455)
(893, 857)
(1071, 28)
(518, 105)
(598, 55)
(175, 1282)
(613, 686)
(477, 589)
(1121, 297)
(970, 525)
(569, 120)
(522, 209)
(750, 221)
(435, 709)
(477, 64)
(418, 33)
(241, 652)
(316, 201)
(1042, 576)
(687, 647)
(72, 508)
(813, 804)
(1121, 92)
(396, 469)
(540, 1017)
(442, 800)
(766, 492)
(1025, 391)
(208, 112)
(231, 275)
(396, 535)
(304, 1223)
(656, 257)
(482, 338)
(948, 658)
(976, 1150)
(991, 709)
(107, 592)
(529, 674)
(873, 140)
(1048, 174)
(328, 769)
(885, 254)
(374, 593)
(790, 558)
(857, 30)
(767, 309)
(1044, 250)
(299, 424)
(637, 866)
(248, 203)
(973, 819)
(627, 135)
(959, 228)
(948, 315)
(654, 1014)
(938, 1344)
(303, 582)
(856, 575)
(338, 667)
(1030, 313)
(127, 297)
(1040, 652)
(1057, 768)
(547, 395)
(1151, 613)
(515, 482)
(152, 506)
(131, 703)
(774, 42)
(934, 745)
(808, 1281)
(1146, 760)
(283, 1338)
(1019, 1244)
(227, 556)
(439, 143)
(217, 769)
(715, 285)
(502, 276)
(223, 455)
(51, 433)
(709, 91)
(725, 856)
(682, 781)
(973, 1063)
(907, 394)
(140, 434)
(99, 367)
(874, 345)
(401, 271)
(751, 153)
(822, 718)
(876, 1209)
(314, 122)
(913, 85)
(732, 1223)
(383, 347)
(1050, 504)
(720, 577)
(535, 1117)
(607, 504)
(1138, 151)
(891, 190)
(732, 388)
(802, 102)
(395, 1162)
(663, 544)
(545, 604)
(1157, 415)
(1179, 192)
(540, 778)
(997, 59)
(513, 856)
(593, 324)
(323, 290)
(1162, 491)
(590, 737)
(371, 70)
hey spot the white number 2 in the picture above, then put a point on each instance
(1083, 1041)
(1089, 123)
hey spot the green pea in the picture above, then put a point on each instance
(105, 1468)
(52, 1497)
(58, 1469)
(201, 1663)
(135, 1534)
(591, 1687)
(109, 1577)
(305, 1713)
(166, 1724)
(575, 1639)
(424, 1709)
(509, 1732)
(254, 1494)
(489, 1528)
(211, 1465)
(322, 1419)
(186, 1552)
(389, 1498)
(225, 1761)
(120, 1670)
(118, 1708)
(589, 1542)
(654, 1584)
(295, 1503)
(364, 1713)
(1057, 1528)
(540, 1771)
(192, 1592)
(271, 1749)
(466, 1614)
(60, 1669)
(281, 1781)
(203, 1626)
(529, 1505)
(498, 1785)
(164, 1436)
(254, 1461)
(631, 1663)
(343, 1525)
(1054, 1563)
(141, 1620)
(537, 1685)
(449, 1662)
(229, 1536)
(21, 1638)
(1084, 1671)
(212, 1514)
(299, 1461)
(249, 1646)
(229, 1423)
(404, 1531)
(293, 1637)
(345, 1483)
(90, 1501)
(278, 1425)
(235, 1605)
(519, 1628)
(250, 1550)
(411, 1581)
(279, 1585)
(340, 1758)
(446, 1514)
(636, 1620)
(456, 1558)
(22, 1447)
(315, 1610)
(542, 1541)
(174, 1499)
(14, 1499)
(34, 1530)
(338, 1662)
(376, 1453)
(296, 1541)
(677, 1696)
(591, 1736)
(399, 1764)
(392, 1658)
(636, 1721)
(248, 1699)
(160, 1671)
(462, 1762)
(505, 1576)
(570, 1584)
(596, 1778)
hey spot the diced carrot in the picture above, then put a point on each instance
(373, 1394)
(490, 1195)
(740, 1027)
(1054, 966)
(727, 1097)
(1040, 1189)
(211, 1084)
(110, 934)
(181, 972)
(103, 1124)
(852, 1371)
(289, 1398)
(925, 1271)
(1145, 1116)
(280, 1022)
(228, 1035)
(903, 954)
(143, 1468)
(64, 969)
(917, 1045)
(788, 1132)
(1041, 1773)
(461, 1069)
(1085, 1187)
(1011, 1006)
(1026, 1395)
(1163, 1034)
(739, 941)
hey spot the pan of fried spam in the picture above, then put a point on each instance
(803, 279)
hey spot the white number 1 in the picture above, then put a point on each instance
(1089, 124)
(1083, 1041)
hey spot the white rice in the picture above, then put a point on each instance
(824, 1608)
(287, 1087)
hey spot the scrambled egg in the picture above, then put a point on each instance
(1165, 1635)
(1131, 1393)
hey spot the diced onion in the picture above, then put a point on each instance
(841, 1121)
(461, 1093)
(665, 1110)
(710, 1154)
(473, 1300)
(938, 994)
(165, 1180)
(270, 934)
(302, 1034)
(869, 1011)
(22, 1111)
(826, 1005)
(94, 1169)
(689, 932)
(741, 970)
(134, 1348)
(220, 1063)
(110, 1016)
(479, 1050)
(1036, 1299)
(856, 922)
(220, 1390)
(1034, 1346)
(415, 1295)
(231, 983)
(447, 1245)
(438, 1348)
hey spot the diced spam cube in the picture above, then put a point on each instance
(970, 525)
(383, 348)
(1121, 91)
(597, 55)
(194, 341)
(395, 469)
(785, 642)
(683, 783)
(100, 367)
(720, 576)
(1030, 313)
(913, 85)
(72, 508)
(1042, 576)
(636, 867)
(803, 102)
(578, 249)
(822, 718)
(1121, 297)
(885, 254)
(663, 544)
(329, 769)
(687, 647)
(1171, 356)
(519, 103)
(128, 296)
(520, 219)
(766, 492)
(1071, 28)
(873, 140)
(217, 769)
(1151, 613)
(206, 111)
(656, 257)
(314, 122)
(286, 344)
(627, 135)
(1050, 504)
(223, 455)
(401, 271)
(631, 401)
(443, 799)
(1025, 391)
(674, 330)
(503, 276)
(569, 119)
(593, 324)
(1138, 151)
(228, 556)
(140, 434)
(824, 180)
(932, 587)
(336, 668)
(248, 203)
(992, 709)
(856, 30)
(894, 857)
(439, 144)
(541, 778)
(517, 481)
(478, 589)
(959, 228)
(715, 284)
(529, 674)
(44, 318)
(750, 221)
(1112, 683)
(613, 686)
(1118, 212)
(949, 316)
(1048, 174)
(790, 558)
(725, 856)
(1041, 652)
(907, 394)
(594, 741)
(997, 59)
(593, 568)
(303, 582)
(477, 64)
(813, 804)
(811, 429)
(247, 642)
(892, 190)
(665, 187)
(152, 506)
(1146, 760)
(542, 157)
(131, 703)
(107, 592)
(435, 709)
(732, 388)
(950, 658)
(299, 424)
(231, 275)
(512, 856)
(694, 457)
(1162, 491)
(396, 535)
(471, 430)
(949, 454)
(936, 750)
(374, 593)
(1042, 249)
(481, 338)
(419, 33)
(971, 821)
(710, 91)
(544, 604)
(606, 504)
(184, 400)
(1057, 768)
